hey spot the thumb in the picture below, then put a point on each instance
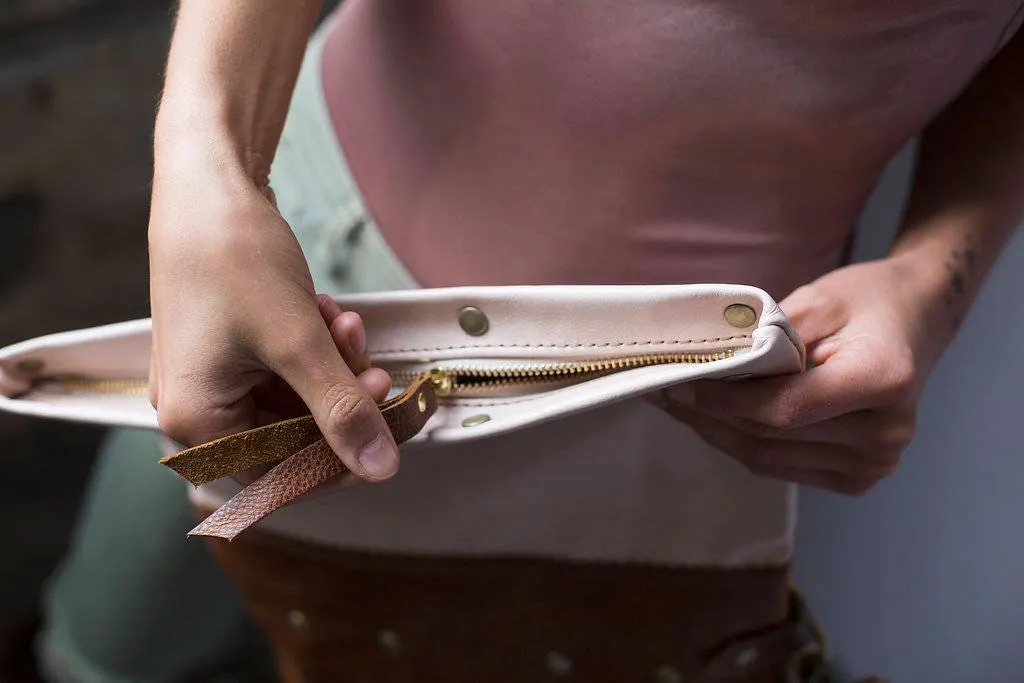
(344, 410)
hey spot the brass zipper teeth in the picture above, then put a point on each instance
(452, 380)
(447, 380)
(90, 385)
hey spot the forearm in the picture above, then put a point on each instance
(968, 195)
(230, 75)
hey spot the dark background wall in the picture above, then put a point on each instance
(79, 81)
(79, 86)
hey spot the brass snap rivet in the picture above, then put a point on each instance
(747, 657)
(473, 321)
(740, 315)
(298, 620)
(421, 402)
(667, 674)
(31, 366)
(558, 664)
(388, 641)
(474, 420)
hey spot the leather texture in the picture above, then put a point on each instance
(272, 443)
(239, 452)
(349, 617)
(297, 474)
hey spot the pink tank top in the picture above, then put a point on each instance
(587, 141)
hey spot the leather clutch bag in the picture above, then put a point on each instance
(467, 363)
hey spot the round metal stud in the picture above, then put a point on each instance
(747, 657)
(667, 674)
(473, 321)
(388, 641)
(30, 366)
(559, 664)
(474, 420)
(298, 620)
(421, 402)
(740, 315)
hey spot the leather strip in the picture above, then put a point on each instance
(296, 476)
(239, 452)
(273, 443)
(296, 473)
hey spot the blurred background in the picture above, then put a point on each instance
(920, 580)
(79, 81)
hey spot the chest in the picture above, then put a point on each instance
(608, 64)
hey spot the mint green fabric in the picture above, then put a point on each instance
(135, 601)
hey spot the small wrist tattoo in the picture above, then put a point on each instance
(960, 267)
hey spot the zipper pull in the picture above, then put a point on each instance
(444, 382)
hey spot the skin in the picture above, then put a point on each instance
(233, 350)
(875, 331)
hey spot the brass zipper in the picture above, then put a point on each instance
(447, 380)
(464, 379)
(74, 384)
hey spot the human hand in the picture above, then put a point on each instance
(239, 336)
(844, 423)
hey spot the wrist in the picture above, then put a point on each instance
(192, 137)
(927, 301)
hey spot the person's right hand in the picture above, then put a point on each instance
(239, 336)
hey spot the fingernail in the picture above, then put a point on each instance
(378, 458)
(357, 338)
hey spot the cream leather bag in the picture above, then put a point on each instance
(467, 363)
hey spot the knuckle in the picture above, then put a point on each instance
(783, 417)
(176, 421)
(896, 437)
(347, 408)
(900, 379)
(892, 431)
(885, 464)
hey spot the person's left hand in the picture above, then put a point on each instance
(844, 423)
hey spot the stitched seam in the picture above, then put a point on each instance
(592, 345)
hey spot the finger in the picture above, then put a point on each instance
(306, 357)
(814, 317)
(880, 435)
(841, 385)
(328, 307)
(828, 481)
(153, 382)
(377, 382)
(350, 338)
(768, 456)
(348, 333)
